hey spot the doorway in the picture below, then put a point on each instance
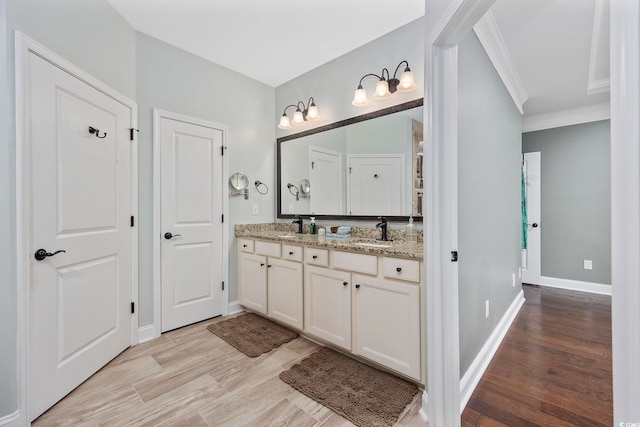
(531, 234)
(190, 233)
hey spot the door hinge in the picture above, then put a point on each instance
(131, 130)
(132, 221)
(223, 285)
(222, 217)
(313, 165)
(133, 307)
(454, 256)
(349, 169)
(222, 148)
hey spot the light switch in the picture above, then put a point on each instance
(254, 209)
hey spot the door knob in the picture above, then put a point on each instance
(169, 236)
(42, 254)
(534, 225)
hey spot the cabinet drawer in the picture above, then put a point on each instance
(268, 248)
(245, 245)
(293, 253)
(402, 269)
(316, 256)
(359, 263)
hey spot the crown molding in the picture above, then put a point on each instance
(600, 29)
(491, 39)
(574, 116)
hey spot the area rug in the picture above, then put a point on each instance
(252, 334)
(364, 395)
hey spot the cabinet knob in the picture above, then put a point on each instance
(315, 257)
(398, 269)
(262, 264)
(357, 286)
(244, 246)
(268, 265)
(345, 283)
(290, 252)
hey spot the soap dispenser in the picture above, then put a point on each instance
(312, 225)
(411, 233)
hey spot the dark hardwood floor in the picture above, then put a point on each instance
(554, 366)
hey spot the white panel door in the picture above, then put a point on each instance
(532, 264)
(376, 184)
(191, 222)
(80, 184)
(326, 181)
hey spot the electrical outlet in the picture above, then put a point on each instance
(254, 209)
(588, 264)
(513, 280)
(486, 309)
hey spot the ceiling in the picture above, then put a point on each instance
(549, 41)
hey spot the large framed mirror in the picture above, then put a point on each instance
(355, 169)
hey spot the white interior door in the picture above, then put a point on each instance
(79, 300)
(191, 222)
(532, 256)
(376, 184)
(326, 181)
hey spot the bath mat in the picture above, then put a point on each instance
(252, 334)
(364, 395)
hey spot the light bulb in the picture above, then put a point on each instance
(360, 97)
(297, 117)
(284, 122)
(407, 82)
(382, 90)
(312, 113)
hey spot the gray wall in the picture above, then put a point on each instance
(94, 37)
(171, 79)
(489, 144)
(575, 200)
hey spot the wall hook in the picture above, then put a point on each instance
(96, 132)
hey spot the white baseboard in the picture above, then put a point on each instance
(424, 410)
(235, 307)
(473, 375)
(146, 333)
(576, 285)
(12, 420)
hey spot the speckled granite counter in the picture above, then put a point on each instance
(286, 233)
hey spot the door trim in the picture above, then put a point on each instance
(159, 114)
(23, 47)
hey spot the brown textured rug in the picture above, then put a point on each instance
(364, 395)
(252, 334)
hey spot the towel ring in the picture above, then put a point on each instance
(297, 193)
(259, 184)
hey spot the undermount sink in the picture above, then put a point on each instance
(373, 245)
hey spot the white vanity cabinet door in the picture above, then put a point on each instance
(387, 323)
(327, 305)
(252, 282)
(285, 291)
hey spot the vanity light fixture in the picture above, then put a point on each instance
(301, 115)
(386, 86)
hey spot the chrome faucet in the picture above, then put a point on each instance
(382, 225)
(298, 221)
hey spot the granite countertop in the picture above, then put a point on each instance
(286, 233)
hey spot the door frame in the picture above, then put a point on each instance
(158, 115)
(23, 47)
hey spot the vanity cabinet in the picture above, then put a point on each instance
(327, 305)
(270, 285)
(366, 304)
(387, 323)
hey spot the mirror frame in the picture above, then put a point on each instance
(357, 119)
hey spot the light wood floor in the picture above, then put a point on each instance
(190, 377)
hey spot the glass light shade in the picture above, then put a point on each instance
(360, 97)
(407, 82)
(284, 122)
(298, 119)
(312, 113)
(382, 90)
